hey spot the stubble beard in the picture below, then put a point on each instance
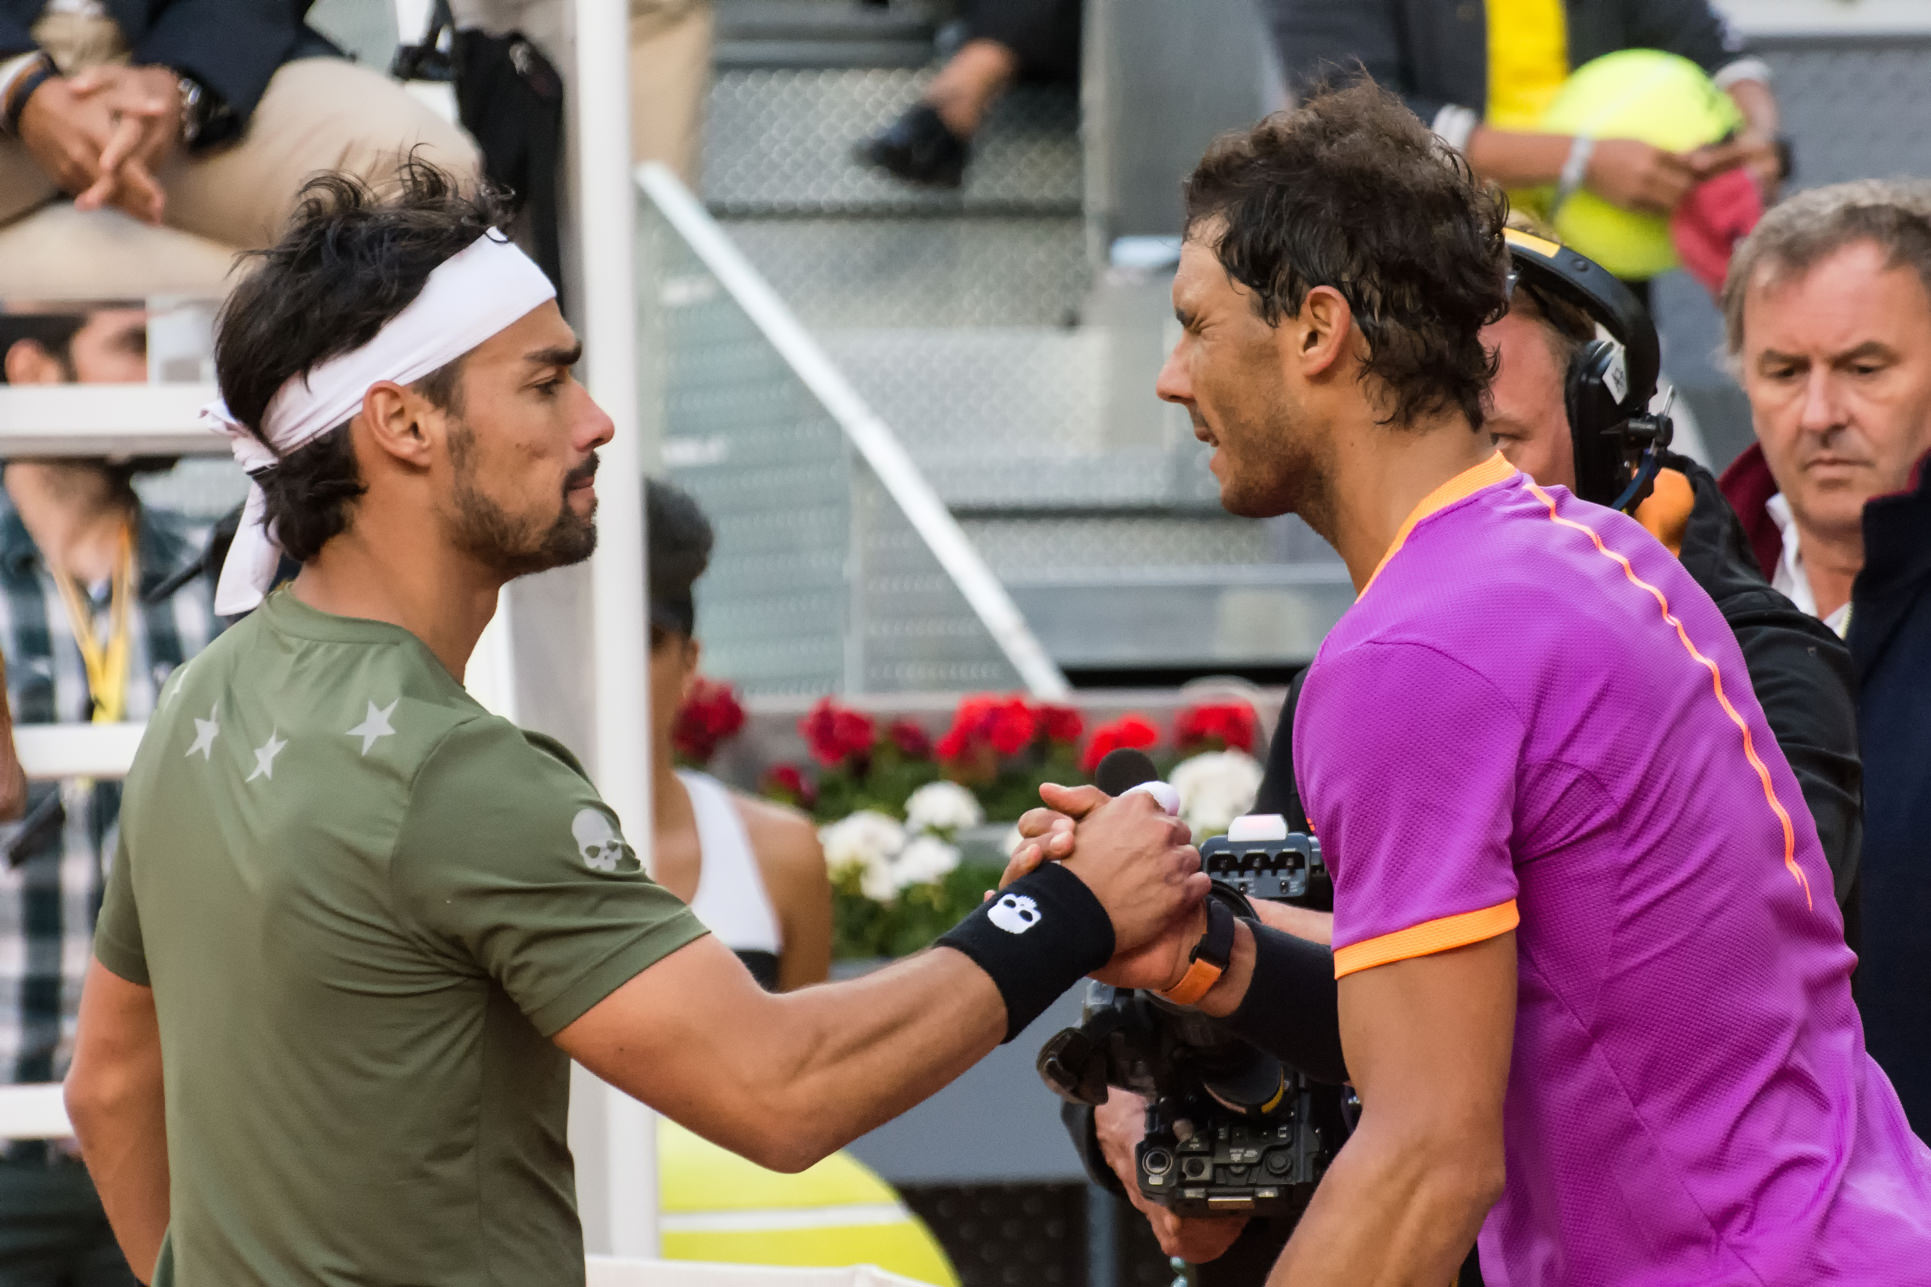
(1297, 478)
(509, 546)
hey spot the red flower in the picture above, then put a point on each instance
(1217, 726)
(912, 741)
(837, 734)
(1061, 724)
(1135, 731)
(709, 717)
(788, 782)
(1011, 726)
(1004, 725)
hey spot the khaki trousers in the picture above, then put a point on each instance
(670, 75)
(317, 114)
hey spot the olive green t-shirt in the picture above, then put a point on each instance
(365, 905)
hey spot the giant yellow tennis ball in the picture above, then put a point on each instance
(1662, 99)
(721, 1209)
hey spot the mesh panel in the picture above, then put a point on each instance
(819, 581)
(779, 141)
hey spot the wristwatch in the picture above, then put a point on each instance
(1209, 959)
(29, 75)
(201, 111)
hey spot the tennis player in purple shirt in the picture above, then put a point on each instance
(1594, 991)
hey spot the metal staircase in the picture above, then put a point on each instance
(1018, 378)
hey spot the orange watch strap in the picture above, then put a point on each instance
(1195, 983)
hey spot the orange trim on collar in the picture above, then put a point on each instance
(1496, 469)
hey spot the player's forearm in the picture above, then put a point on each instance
(120, 1119)
(1517, 159)
(851, 1056)
(1279, 993)
(1391, 1212)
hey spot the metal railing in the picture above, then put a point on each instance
(837, 565)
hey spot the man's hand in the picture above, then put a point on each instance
(1636, 176)
(65, 133)
(1138, 860)
(1051, 834)
(1120, 1124)
(145, 104)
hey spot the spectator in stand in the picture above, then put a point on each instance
(204, 116)
(1482, 72)
(1006, 40)
(752, 870)
(1827, 313)
(98, 604)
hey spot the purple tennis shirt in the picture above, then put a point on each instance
(1533, 719)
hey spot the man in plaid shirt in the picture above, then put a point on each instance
(99, 601)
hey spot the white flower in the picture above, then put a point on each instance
(1215, 788)
(861, 842)
(942, 806)
(1013, 840)
(926, 860)
(878, 880)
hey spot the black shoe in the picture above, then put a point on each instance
(918, 148)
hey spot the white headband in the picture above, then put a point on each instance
(468, 298)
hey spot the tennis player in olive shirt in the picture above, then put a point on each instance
(356, 926)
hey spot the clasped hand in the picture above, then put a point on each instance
(1098, 838)
(103, 135)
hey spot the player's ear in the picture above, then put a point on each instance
(1323, 331)
(395, 419)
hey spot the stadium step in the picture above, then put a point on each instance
(974, 324)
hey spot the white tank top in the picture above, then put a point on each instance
(731, 898)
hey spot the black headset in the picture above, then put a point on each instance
(1618, 442)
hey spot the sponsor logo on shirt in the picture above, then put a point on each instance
(598, 840)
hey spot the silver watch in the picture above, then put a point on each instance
(193, 118)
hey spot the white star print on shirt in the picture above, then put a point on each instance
(204, 734)
(265, 757)
(374, 725)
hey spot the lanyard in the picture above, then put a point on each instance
(106, 666)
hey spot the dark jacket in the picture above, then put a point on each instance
(231, 46)
(1434, 53)
(1890, 651)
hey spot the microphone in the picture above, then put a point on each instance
(1122, 769)
(1126, 770)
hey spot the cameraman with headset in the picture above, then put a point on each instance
(1569, 408)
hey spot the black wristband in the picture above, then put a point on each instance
(1292, 1006)
(1040, 936)
(23, 89)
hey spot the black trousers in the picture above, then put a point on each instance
(1045, 34)
(53, 1232)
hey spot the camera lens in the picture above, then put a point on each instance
(1157, 1161)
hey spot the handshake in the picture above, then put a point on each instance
(1126, 844)
(1201, 1128)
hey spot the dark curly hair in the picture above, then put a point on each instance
(349, 260)
(1352, 191)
